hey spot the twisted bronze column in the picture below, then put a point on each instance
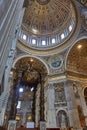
(41, 99)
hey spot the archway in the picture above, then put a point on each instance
(62, 119)
(29, 75)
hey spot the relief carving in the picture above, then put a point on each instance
(59, 93)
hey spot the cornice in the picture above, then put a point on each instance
(67, 75)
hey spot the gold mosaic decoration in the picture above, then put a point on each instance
(77, 58)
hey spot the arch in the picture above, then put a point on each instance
(59, 109)
(24, 55)
(83, 90)
(85, 95)
(66, 58)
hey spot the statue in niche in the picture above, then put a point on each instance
(76, 91)
(63, 123)
(12, 126)
(62, 117)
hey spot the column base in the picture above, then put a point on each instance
(42, 125)
(12, 125)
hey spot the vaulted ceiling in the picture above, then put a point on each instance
(77, 58)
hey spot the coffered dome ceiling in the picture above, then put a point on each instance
(48, 22)
(47, 16)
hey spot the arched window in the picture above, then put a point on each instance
(85, 95)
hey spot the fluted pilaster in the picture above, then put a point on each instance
(51, 117)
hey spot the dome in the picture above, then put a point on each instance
(48, 22)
